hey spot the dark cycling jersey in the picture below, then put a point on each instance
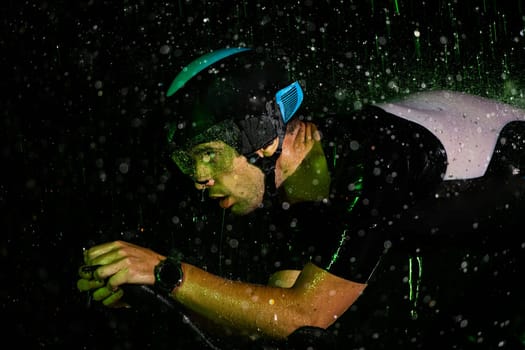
(388, 208)
(387, 190)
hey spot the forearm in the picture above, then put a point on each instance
(249, 309)
(316, 299)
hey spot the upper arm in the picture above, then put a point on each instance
(283, 278)
(325, 296)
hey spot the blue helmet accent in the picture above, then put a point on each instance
(199, 65)
(289, 99)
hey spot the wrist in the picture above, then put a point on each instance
(168, 273)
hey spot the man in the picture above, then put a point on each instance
(324, 203)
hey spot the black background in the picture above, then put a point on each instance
(83, 109)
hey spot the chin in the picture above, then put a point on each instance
(237, 209)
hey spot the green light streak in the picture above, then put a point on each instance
(397, 6)
(358, 186)
(414, 285)
(335, 256)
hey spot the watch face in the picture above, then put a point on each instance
(168, 275)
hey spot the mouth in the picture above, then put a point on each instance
(224, 200)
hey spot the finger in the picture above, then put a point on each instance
(113, 298)
(99, 250)
(85, 285)
(300, 135)
(86, 271)
(308, 132)
(102, 293)
(119, 278)
(317, 134)
(107, 271)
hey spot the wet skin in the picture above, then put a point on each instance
(229, 177)
(239, 185)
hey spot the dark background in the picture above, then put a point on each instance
(83, 110)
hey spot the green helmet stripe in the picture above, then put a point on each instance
(200, 64)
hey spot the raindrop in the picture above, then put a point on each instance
(234, 243)
(102, 176)
(340, 94)
(164, 49)
(124, 168)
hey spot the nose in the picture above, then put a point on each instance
(201, 185)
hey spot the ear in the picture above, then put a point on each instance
(268, 150)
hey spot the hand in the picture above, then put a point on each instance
(110, 265)
(122, 262)
(86, 283)
(296, 146)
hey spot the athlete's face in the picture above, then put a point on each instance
(230, 177)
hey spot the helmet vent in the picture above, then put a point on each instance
(289, 99)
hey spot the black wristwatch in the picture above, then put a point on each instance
(168, 274)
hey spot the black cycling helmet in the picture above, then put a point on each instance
(234, 95)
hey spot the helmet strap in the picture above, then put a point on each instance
(268, 164)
